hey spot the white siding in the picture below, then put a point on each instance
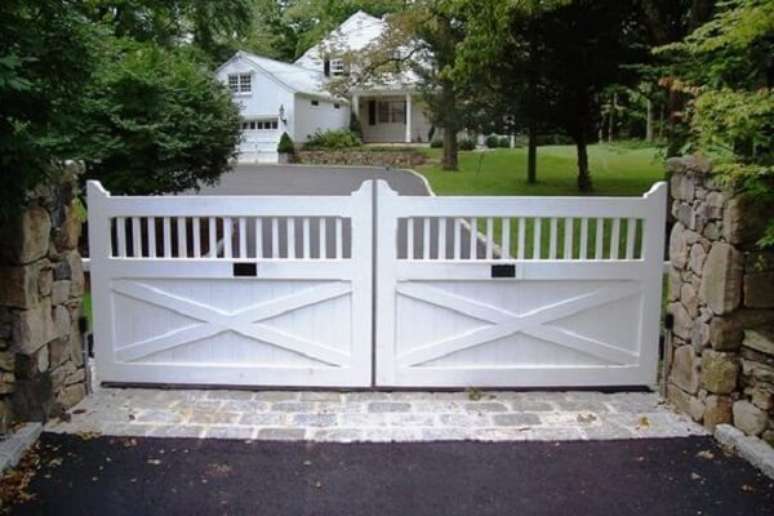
(324, 116)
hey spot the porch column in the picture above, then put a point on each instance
(356, 106)
(408, 117)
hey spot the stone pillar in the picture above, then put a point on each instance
(409, 109)
(721, 295)
(41, 360)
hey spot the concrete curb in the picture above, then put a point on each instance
(14, 446)
(752, 449)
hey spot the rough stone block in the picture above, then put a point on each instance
(717, 411)
(77, 280)
(762, 396)
(686, 403)
(757, 370)
(683, 323)
(721, 283)
(20, 285)
(685, 369)
(727, 332)
(745, 220)
(26, 239)
(71, 395)
(700, 336)
(678, 248)
(675, 282)
(61, 321)
(33, 328)
(749, 418)
(719, 372)
(689, 299)
(697, 257)
(70, 230)
(759, 290)
(761, 339)
(60, 292)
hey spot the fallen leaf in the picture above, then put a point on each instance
(643, 422)
(706, 454)
(747, 488)
(588, 418)
(695, 476)
(155, 462)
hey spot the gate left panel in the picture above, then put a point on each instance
(240, 290)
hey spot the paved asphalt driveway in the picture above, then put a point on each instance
(156, 476)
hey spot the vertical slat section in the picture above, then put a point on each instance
(410, 239)
(339, 238)
(457, 236)
(151, 230)
(553, 237)
(258, 237)
(136, 238)
(473, 234)
(506, 238)
(442, 238)
(426, 239)
(537, 240)
(568, 236)
(584, 239)
(489, 237)
(599, 237)
(242, 237)
(212, 229)
(323, 239)
(197, 238)
(307, 237)
(182, 238)
(291, 234)
(522, 242)
(275, 238)
(228, 250)
(615, 238)
(167, 233)
(631, 231)
(121, 235)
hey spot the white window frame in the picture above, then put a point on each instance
(338, 67)
(260, 124)
(240, 83)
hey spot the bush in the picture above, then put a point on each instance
(333, 139)
(492, 141)
(554, 139)
(286, 145)
(436, 144)
(504, 142)
(354, 125)
(467, 144)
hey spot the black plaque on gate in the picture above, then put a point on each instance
(504, 271)
(246, 269)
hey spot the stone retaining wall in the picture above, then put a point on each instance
(721, 295)
(399, 158)
(41, 289)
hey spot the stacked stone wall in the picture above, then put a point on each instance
(721, 296)
(41, 291)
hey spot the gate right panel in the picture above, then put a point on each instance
(518, 291)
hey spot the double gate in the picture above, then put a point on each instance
(376, 289)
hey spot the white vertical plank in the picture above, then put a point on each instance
(339, 238)
(506, 238)
(167, 233)
(568, 237)
(291, 234)
(522, 242)
(182, 238)
(599, 238)
(537, 240)
(121, 234)
(136, 238)
(489, 237)
(242, 237)
(457, 236)
(442, 238)
(323, 238)
(212, 230)
(275, 253)
(228, 251)
(410, 239)
(615, 238)
(197, 238)
(553, 237)
(426, 239)
(258, 237)
(307, 237)
(584, 239)
(151, 231)
(631, 231)
(473, 238)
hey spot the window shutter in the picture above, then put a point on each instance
(327, 67)
(371, 112)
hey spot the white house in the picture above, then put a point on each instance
(274, 96)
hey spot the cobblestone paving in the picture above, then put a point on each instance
(375, 416)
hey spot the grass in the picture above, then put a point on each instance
(617, 170)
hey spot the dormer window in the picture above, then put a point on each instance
(338, 67)
(240, 83)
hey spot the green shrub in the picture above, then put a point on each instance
(492, 141)
(333, 139)
(436, 144)
(286, 145)
(354, 125)
(467, 144)
(504, 142)
(554, 139)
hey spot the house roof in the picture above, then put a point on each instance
(295, 78)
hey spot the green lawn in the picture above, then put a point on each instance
(615, 170)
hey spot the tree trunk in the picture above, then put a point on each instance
(532, 152)
(449, 161)
(649, 120)
(611, 127)
(584, 176)
(532, 122)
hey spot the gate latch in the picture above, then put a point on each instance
(504, 271)
(246, 269)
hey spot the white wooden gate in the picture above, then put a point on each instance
(570, 297)
(232, 290)
(470, 291)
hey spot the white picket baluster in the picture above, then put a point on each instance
(631, 231)
(457, 239)
(506, 238)
(151, 231)
(615, 239)
(228, 250)
(522, 243)
(473, 238)
(212, 230)
(258, 237)
(121, 235)
(600, 237)
(489, 237)
(568, 237)
(197, 238)
(167, 233)
(290, 223)
(410, 239)
(323, 239)
(553, 237)
(426, 239)
(442, 238)
(584, 239)
(136, 238)
(339, 238)
(275, 250)
(306, 236)
(182, 238)
(537, 240)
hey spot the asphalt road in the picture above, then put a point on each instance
(157, 476)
